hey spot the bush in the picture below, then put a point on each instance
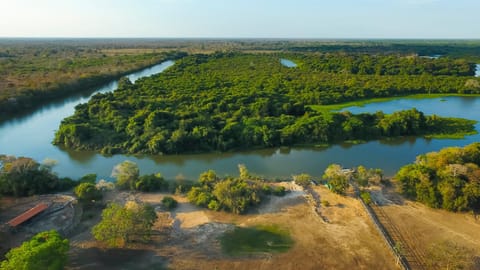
(325, 203)
(87, 193)
(46, 250)
(279, 191)
(151, 182)
(366, 197)
(169, 203)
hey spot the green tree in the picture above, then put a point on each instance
(337, 179)
(244, 174)
(23, 176)
(46, 250)
(304, 180)
(169, 203)
(127, 174)
(88, 178)
(208, 179)
(87, 193)
(120, 225)
(151, 182)
(235, 195)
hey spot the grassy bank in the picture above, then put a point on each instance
(258, 239)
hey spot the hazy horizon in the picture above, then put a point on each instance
(247, 19)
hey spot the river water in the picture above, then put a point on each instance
(31, 136)
(288, 63)
(477, 72)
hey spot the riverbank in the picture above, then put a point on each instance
(28, 100)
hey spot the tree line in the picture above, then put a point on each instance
(448, 179)
(227, 101)
(32, 75)
(23, 176)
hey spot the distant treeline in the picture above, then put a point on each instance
(227, 101)
(32, 75)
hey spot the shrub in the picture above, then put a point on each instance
(366, 197)
(279, 191)
(325, 203)
(169, 203)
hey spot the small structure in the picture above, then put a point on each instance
(27, 215)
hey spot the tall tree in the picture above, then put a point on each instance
(120, 225)
(337, 179)
(127, 174)
(46, 250)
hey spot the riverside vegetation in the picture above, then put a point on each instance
(32, 72)
(228, 101)
(448, 179)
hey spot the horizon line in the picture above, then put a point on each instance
(250, 38)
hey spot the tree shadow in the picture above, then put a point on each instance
(95, 258)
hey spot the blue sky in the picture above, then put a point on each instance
(241, 18)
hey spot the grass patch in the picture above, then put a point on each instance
(354, 142)
(258, 239)
(462, 128)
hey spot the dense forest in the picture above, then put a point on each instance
(34, 72)
(448, 179)
(227, 101)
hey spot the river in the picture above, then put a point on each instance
(31, 136)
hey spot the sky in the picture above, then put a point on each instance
(424, 19)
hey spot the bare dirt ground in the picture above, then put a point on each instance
(60, 215)
(187, 238)
(338, 236)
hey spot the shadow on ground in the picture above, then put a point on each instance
(115, 259)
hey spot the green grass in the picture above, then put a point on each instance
(361, 103)
(463, 127)
(258, 239)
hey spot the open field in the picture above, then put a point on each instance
(187, 238)
(337, 236)
(422, 227)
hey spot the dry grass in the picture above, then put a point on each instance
(187, 238)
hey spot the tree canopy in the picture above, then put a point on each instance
(87, 193)
(338, 181)
(226, 101)
(231, 194)
(46, 250)
(128, 177)
(23, 176)
(448, 179)
(121, 225)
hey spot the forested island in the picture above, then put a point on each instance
(227, 101)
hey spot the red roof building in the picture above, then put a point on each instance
(28, 215)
